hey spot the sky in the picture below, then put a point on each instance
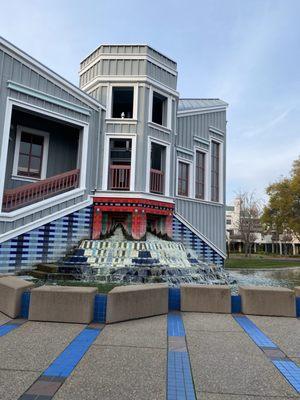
(246, 52)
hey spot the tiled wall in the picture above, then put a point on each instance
(183, 234)
(47, 243)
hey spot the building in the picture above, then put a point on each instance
(262, 241)
(121, 149)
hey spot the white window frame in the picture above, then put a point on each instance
(221, 171)
(191, 188)
(169, 109)
(109, 108)
(106, 157)
(83, 140)
(45, 135)
(206, 172)
(167, 166)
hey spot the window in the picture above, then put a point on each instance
(215, 171)
(228, 221)
(183, 179)
(159, 109)
(122, 102)
(200, 174)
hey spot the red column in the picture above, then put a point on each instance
(169, 226)
(139, 224)
(97, 223)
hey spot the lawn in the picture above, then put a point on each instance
(102, 287)
(260, 262)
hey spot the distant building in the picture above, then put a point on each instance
(263, 242)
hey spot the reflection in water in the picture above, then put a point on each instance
(288, 277)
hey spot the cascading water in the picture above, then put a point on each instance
(154, 260)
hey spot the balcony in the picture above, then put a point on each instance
(156, 181)
(41, 190)
(119, 177)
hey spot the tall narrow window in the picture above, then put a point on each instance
(200, 174)
(30, 155)
(215, 171)
(159, 109)
(183, 179)
(122, 102)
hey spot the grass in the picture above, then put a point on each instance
(259, 262)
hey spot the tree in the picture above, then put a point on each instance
(282, 214)
(248, 222)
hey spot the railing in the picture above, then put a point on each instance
(33, 192)
(119, 177)
(156, 181)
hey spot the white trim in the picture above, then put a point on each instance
(191, 186)
(107, 138)
(127, 121)
(41, 205)
(216, 130)
(199, 234)
(206, 171)
(127, 56)
(201, 140)
(203, 110)
(106, 79)
(39, 67)
(184, 150)
(35, 132)
(42, 221)
(167, 164)
(221, 171)
(47, 97)
(168, 126)
(10, 102)
(158, 127)
(132, 195)
(110, 98)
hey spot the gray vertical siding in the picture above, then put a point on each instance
(15, 68)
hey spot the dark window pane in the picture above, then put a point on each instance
(215, 171)
(36, 150)
(34, 168)
(30, 155)
(23, 164)
(200, 174)
(183, 179)
(122, 102)
(159, 109)
(24, 147)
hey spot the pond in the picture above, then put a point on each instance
(287, 277)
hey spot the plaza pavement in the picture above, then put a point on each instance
(129, 360)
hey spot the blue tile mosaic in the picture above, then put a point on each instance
(64, 364)
(174, 299)
(290, 371)
(254, 332)
(183, 234)
(25, 301)
(47, 243)
(4, 329)
(100, 308)
(298, 307)
(180, 382)
(175, 325)
(236, 304)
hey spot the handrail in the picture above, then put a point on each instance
(156, 181)
(37, 191)
(119, 177)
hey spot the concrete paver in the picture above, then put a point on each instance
(114, 373)
(147, 332)
(285, 332)
(4, 318)
(210, 322)
(14, 383)
(230, 363)
(34, 345)
(221, 396)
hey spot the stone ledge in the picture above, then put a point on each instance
(136, 301)
(268, 300)
(206, 298)
(11, 290)
(62, 304)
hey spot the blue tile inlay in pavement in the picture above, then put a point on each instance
(25, 305)
(175, 325)
(4, 329)
(236, 304)
(180, 382)
(64, 364)
(174, 299)
(254, 332)
(100, 308)
(290, 371)
(298, 306)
